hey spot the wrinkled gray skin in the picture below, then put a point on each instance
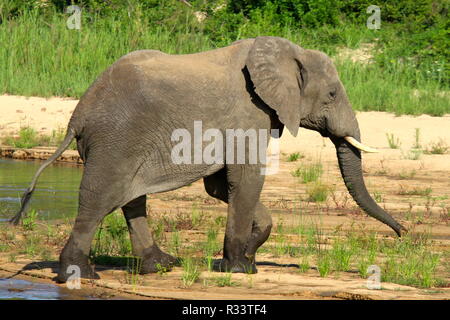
(124, 122)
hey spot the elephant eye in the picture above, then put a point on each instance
(332, 94)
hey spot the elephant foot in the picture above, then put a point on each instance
(154, 259)
(241, 266)
(75, 266)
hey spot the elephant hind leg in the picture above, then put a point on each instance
(141, 238)
(76, 251)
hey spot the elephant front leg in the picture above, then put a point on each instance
(244, 186)
(141, 238)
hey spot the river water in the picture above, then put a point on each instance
(56, 197)
(56, 194)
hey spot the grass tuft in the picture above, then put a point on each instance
(394, 142)
(309, 173)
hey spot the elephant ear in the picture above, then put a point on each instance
(276, 72)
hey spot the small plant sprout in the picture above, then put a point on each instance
(413, 154)
(225, 280)
(417, 139)
(377, 195)
(394, 142)
(29, 222)
(303, 265)
(324, 264)
(295, 156)
(133, 267)
(309, 173)
(191, 272)
(317, 192)
(175, 242)
(439, 147)
(416, 191)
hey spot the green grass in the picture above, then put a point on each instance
(394, 142)
(413, 154)
(211, 247)
(134, 265)
(112, 237)
(415, 259)
(191, 272)
(410, 260)
(392, 90)
(416, 191)
(309, 173)
(29, 221)
(225, 280)
(33, 65)
(417, 144)
(437, 147)
(295, 156)
(29, 138)
(324, 264)
(405, 174)
(317, 192)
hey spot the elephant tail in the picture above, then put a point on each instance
(70, 135)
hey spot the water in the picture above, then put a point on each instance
(17, 289)
(55, 197)
(25, 290)
(56, 194)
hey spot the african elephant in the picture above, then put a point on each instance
(124, 125)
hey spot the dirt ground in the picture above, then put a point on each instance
(392, 175)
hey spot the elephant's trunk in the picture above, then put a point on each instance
(350, 164)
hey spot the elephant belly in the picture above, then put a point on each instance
(156, 179)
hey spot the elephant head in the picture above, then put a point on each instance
(304, 89)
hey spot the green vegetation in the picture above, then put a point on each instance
(417, 144)
(409, 260)
(417, 191)
(112, 237)
(191, 272)
(309, 173)
(405, 174)
(295, 156)
(317, 192)
(439, 147)
(29, 138)
(211, 247)
(413, 154)
(225, 280)
(133, 267)
(407, 70)
(29, 221)
(394, 142)
(413, 259)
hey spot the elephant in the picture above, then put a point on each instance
(124, 125)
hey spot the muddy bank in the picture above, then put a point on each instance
(26, 286)
(276, 280)
(39, 153)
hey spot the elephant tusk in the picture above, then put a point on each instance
(359, 145)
